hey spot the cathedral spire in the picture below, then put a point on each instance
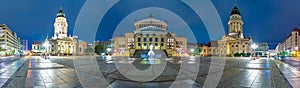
(60, 13)
(235, 10)
(235, 2)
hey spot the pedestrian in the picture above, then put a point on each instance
(45, 56)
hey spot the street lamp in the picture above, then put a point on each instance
(254, 46)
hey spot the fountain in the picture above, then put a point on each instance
(151, 54)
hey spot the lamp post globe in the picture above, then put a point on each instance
(254, 46)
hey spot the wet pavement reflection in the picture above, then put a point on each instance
(55, 73)
(43, 73)
(8, 66)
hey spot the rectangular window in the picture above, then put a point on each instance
(139, 39)
(156, 39)
(150, 39)
(145, 39)
(162, 40)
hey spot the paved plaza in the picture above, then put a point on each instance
(238, 72)
(9, 65)
(84, 71)
(290, 69)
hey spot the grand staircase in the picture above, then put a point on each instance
(158, 53)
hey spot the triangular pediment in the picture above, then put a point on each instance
(228, 38)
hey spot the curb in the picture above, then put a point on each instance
(290, 85)
(14, 74)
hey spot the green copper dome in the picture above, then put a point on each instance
(60, 13)
(235, 10)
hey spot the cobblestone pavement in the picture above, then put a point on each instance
(19, 79)
(293, 61)
(42, 73)
(290, 69)
(8, 67)
(238, 72)
(60, 72)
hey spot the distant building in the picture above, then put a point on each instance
(279, 48)
(192, 49)
(90, 50)
(290, 46)
(37, 48)
(262, 49)
(272, 53)
(61, 43)
(149, 33)
(209, 49)
(9, 41)
(105, 43)
(108, 45)
(25, 45)
(235, 42)
(212, 49)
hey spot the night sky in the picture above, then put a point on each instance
(266, 20)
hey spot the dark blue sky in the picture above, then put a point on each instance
(266, 20)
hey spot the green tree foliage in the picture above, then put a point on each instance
(242, 54)
(198, 51)
(237, 55)
(99, 49)
(13, 51)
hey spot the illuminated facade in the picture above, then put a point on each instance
(37, 48)
(147, 32)
(291, 44)
(9, 41)
(234, 42)
(61, 43)
(25, 45)
(210, 49)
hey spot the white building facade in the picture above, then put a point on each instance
(9, 41)
(234, 42)
(291, 44)
(60, 43)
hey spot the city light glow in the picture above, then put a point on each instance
(254, 46)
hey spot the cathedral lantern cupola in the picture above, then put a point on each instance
(235, 23)
(60, 13)
(60, 25)
(235, 10)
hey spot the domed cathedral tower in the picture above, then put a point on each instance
(234, 43)
(235, 23)
(60, 25)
